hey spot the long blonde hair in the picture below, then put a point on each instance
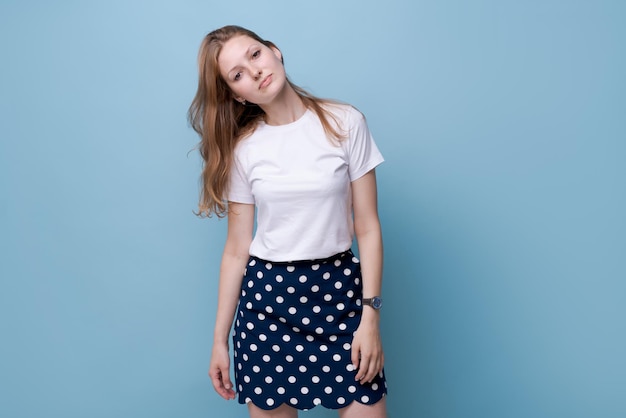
(221, 122)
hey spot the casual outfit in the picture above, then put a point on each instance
(301, 294)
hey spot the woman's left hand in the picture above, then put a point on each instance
(367, 350)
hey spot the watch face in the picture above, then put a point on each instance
(377, 303)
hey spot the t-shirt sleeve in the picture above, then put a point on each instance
(239, 188)
(363, 154)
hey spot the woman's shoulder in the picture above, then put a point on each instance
(344, 113)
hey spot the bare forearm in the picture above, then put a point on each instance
(371, 254)
(231, 275)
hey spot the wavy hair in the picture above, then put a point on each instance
(221, 122)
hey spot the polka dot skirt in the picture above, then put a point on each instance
(293, 334)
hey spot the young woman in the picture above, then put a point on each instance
(306, 310)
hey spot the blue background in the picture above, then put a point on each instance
(502, 200)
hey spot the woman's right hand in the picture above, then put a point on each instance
(219, 371)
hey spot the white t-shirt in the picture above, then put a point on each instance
(300, 184)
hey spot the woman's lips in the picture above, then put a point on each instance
(266, 81)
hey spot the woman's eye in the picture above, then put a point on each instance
(237, 76)
(256, 54)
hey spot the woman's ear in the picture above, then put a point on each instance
(277, 52)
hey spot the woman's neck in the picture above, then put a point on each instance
(285, 108)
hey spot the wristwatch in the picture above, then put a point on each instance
(375, 302)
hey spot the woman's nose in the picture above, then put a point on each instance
(256, 74)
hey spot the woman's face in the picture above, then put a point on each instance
(253, 71)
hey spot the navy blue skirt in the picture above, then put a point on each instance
(293, 334)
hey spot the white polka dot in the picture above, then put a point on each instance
(355, 260)
(273, 327)
(336, 357)
(302, 279)
(270, 402)
(343, 327)
(246, 379)
(306, 321)
(328, 390)
(268, 287)
(261, 316)
(326, 369)
(315, 267)
(247, 400)
(352, 314)
(338, 285)
(249, 305)
(346, 346)
(266, 358)
(302, 369)
(252, 263)
(239, 366)
(339, 378)
(357, 281)
(268, 266)
(245, 357)
(315, 379)
(259, 274)
(243, 292)
(240, 388)
(326, 276)
(341, 400)
(350, 367)
(319, 330)
(341, 306)
(289, 358)
(281, 390)
(330, 318)
(350, 293)
(292, 379)
(332, 338)
(250, 325)
(315, 288)
(269, 309)
(310, 338)
(256, 369)
(276, 348)
(347, 272)
(250, 283)
(296, 329)
(286, 338)
(337, 263)
(258, 390)
(258, 296)
(317, 309)
(268, 379)
(300, 348)
(279, 368)
(243, 335)
(365, 398)
(323, 347)
(374, 386)
(352, 389)
(291, 269)
(293, 401)
(317, 401)
(328, 297)
(283, 320)
(279, 278)
(293, 310)
(280, 299)
(312, 358)
(304, 390)
(263, 337)
(291, 289)
(304, 299)
(253, 347)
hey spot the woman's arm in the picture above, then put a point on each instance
(234, 259)
(367, 351)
